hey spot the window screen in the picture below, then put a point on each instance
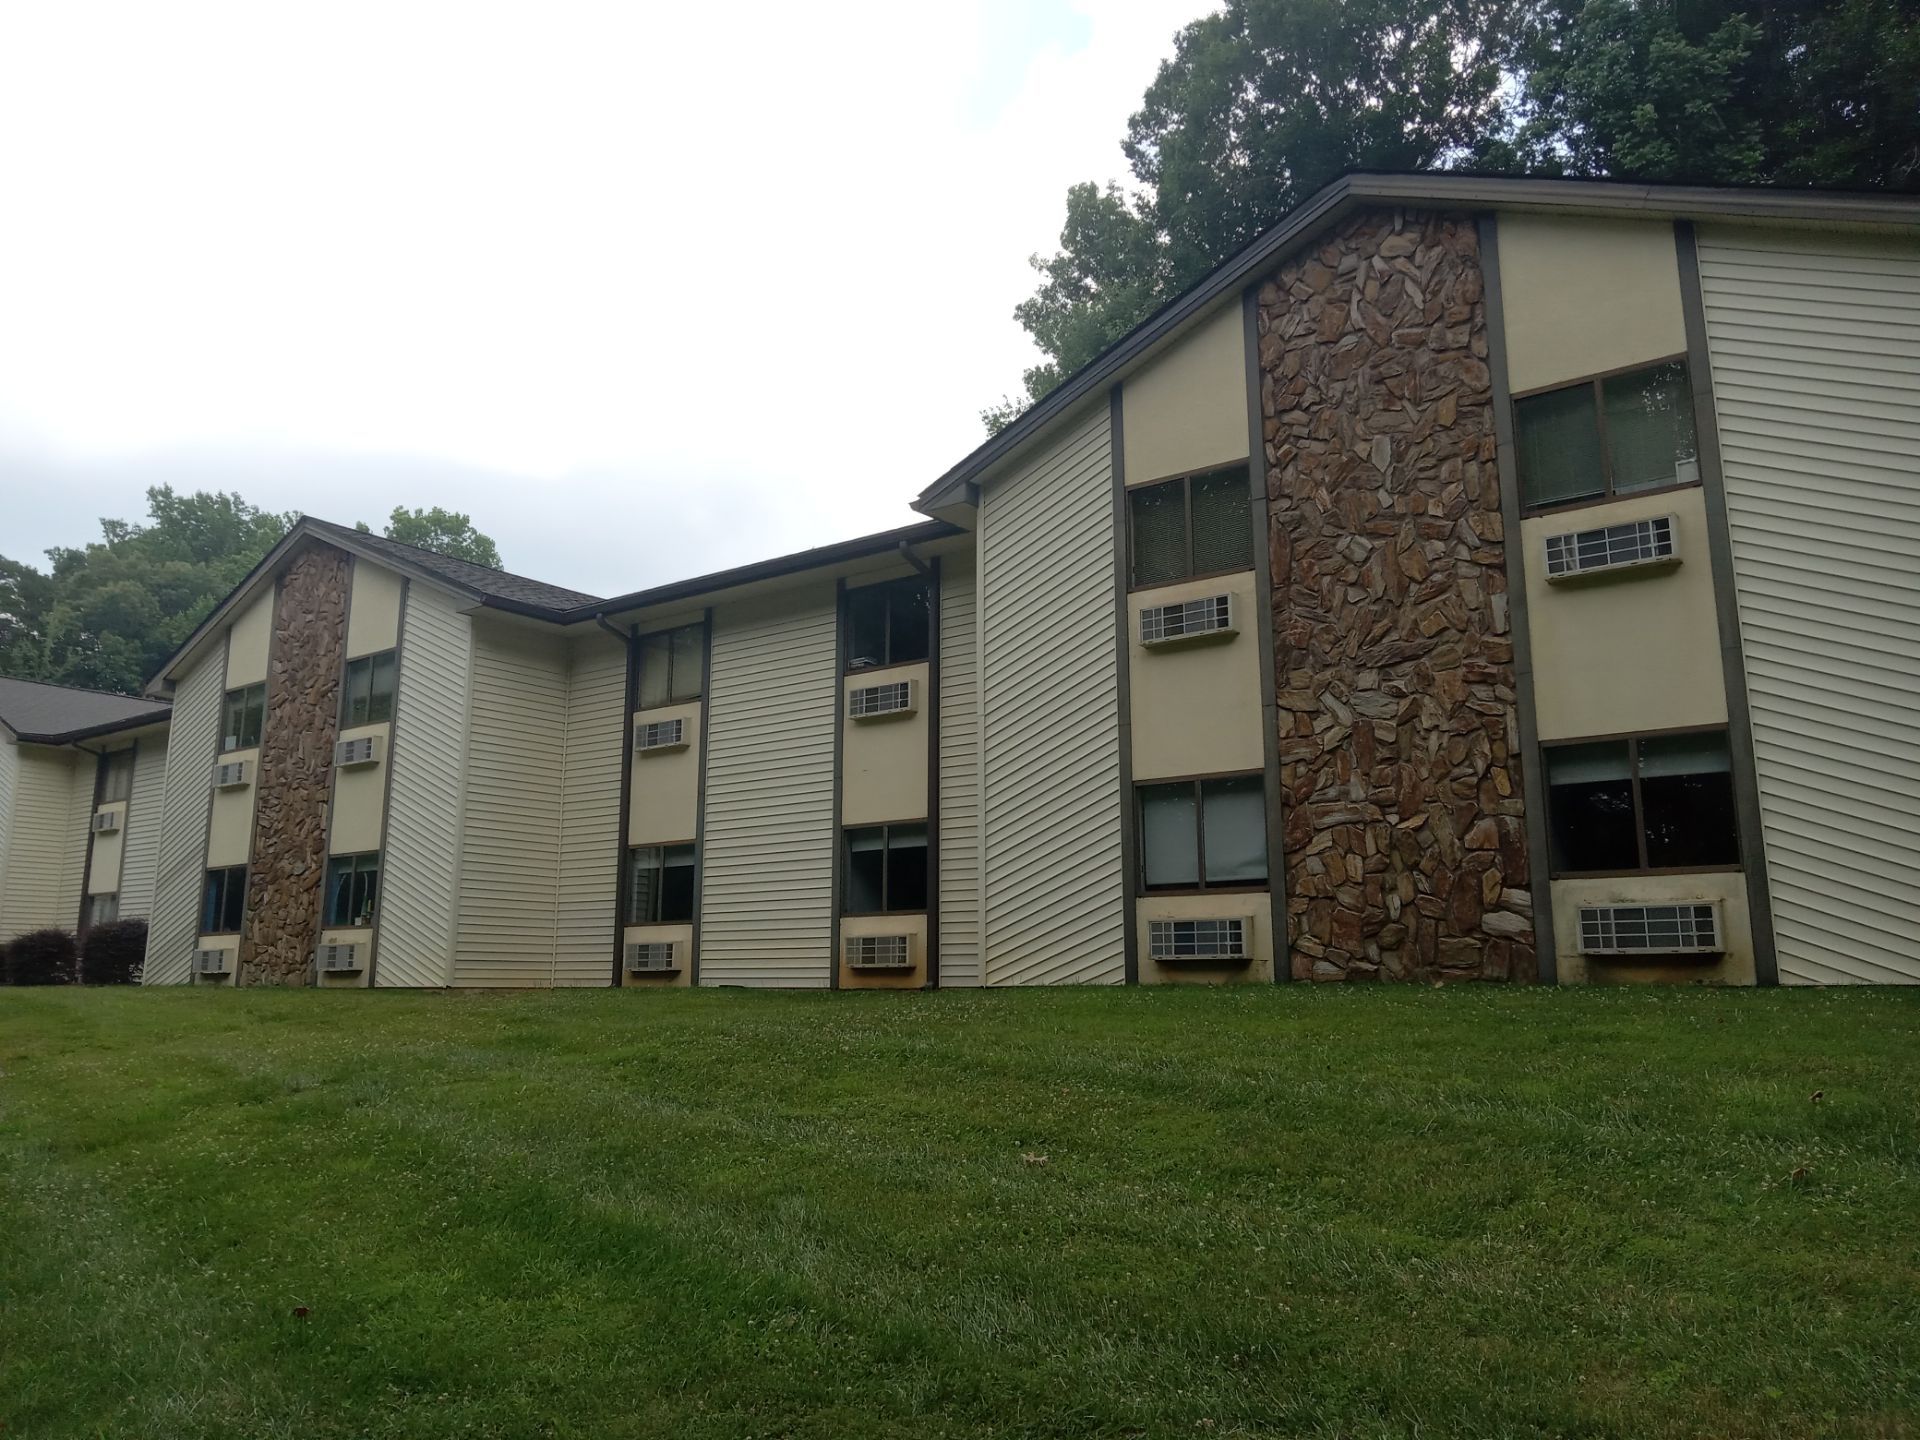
(116, 779)
(1203, 832)
(1196, 525)
(1159, 533)
(1686, 801)
(1649, 426)
(1614, 435)
(1222, 522)
(1559, 441)
(366, 698)
(243, 717)
(1654, 802)
(673, 665)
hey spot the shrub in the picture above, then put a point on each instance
(42, 957)
(112, 954)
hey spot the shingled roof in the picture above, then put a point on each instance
(463, 574)
(55, 714)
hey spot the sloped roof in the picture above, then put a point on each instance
(55, 714)
(463, 574)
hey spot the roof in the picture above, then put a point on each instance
(1455, 189)
(57, 714)
(480, 580)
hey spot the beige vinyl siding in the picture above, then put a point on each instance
(9, 786)
(140, 856)
(590, 833)
(1051, 729)
(767, 874)
(421, 861)
(510, 843)
(193, 737)
(52, 800)
(1815, 345)
(959, 939)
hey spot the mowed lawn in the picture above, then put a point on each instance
(1275, 1211)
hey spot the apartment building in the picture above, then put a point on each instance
(1472, 579)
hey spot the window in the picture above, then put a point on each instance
(659, 884)
(888, 624)
(1613, 435)
(353, 889)
(673, 665)
(886, 870)
(367, 696)
(1196, 525)
(103, 909)
(1199, 833)
(116, 778)
(224, 903)
(1656, 802)
(242, 717)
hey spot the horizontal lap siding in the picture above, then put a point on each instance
(1815, 346)
(49, 846)
(510, 845)
(959, 774)
(590, 838)
(767, 875)
(9, 786)
(423, 801)
(1051, 811)
(193, 737)
(141, 858)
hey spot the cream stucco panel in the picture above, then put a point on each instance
(373, 618)
(680, 936)
(914, 927)
(360, 796)
(884, 759)
(248, 640)
(1196, 707)
(103, 867)
(351, 979)
(1251, 906)
(1188, 409)
(230, 824)
(663, 798)
(1729, 888)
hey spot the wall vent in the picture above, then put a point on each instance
(1687, 928)
(1629, 545)
(213, 962)
(872, 702)
(1199, 941)
(879, 952)
(106, 822)
(660, 735)
(348, 754)
(653, 957)
(1209, 616)
(341, 958)
(230, 774)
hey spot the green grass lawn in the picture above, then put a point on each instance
(1362, 1212)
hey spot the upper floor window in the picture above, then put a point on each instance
(242, 717)
(673, 665)
(660, 884)
(886, 869)
(223, 903)
(353, 889)
(1196, 525)
(1650, 802)
(1199, 833)
(1610, 436)
(888, 624)
(116, 777)
(366, 698)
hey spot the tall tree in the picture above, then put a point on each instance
(446, 532)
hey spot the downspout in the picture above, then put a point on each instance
(628, 644)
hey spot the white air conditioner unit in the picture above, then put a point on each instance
(653, 957)
(879, 953)
(1208, 618)
(106, 822)
(350, 754)
(656, 735)
(1630, 545)
(231, 774)
(1210, 941)
(213, 962)
(878, 702)
(1689, 927)
(341, 958)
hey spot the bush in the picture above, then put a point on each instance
(43, 957)
(112, 954)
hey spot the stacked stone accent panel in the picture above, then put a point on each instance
(1405, 851)
(289, 858)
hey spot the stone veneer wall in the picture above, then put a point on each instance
(288, 863)
(1405, 851)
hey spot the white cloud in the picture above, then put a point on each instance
(647, 289)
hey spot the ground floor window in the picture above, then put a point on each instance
(886, 869)
(1644, 802)
(660, 884)
(353, 889)
(223, 903)
(103, 909)
(1200, 833)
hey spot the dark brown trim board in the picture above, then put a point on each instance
(1123, 678)
(1726, 604)
(838, 883)
(1532, 772)
(386, 779)
(80, 926)
(699, 803)
(933, 776)
(1263, 634)
(629, 694)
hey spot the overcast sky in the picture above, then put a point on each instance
(648, 290)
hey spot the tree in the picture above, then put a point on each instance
(444, 532)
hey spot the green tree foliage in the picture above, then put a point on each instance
(445, 532)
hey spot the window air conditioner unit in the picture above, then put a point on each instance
(1633, 544)
(1209, 617)
(106, 822)
(658, 735)
(879, 954)
(339, 959)
(652, 957)
(875, 702)
(1652, 931)
(231, 774)
(213, 962)
(1209, 941)
(349, 754)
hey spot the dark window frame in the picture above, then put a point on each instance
(225, 874)
(370, 664)
(675, 696)
(887, 589)
(327, 894)
(1197, 782)
(1632, 740)
(116, 763)
(1597, 384)
(241, 742)
(659, 890)
(886, 864)
(1245, 472)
